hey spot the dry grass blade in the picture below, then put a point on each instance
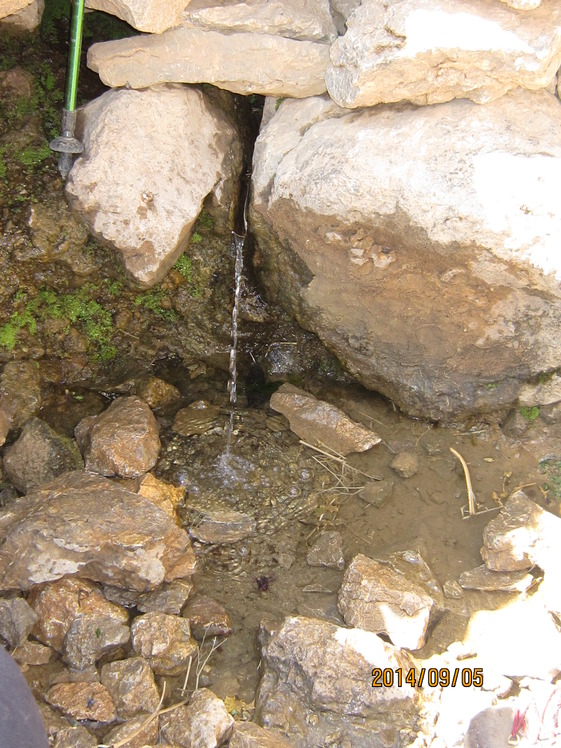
(471, 495)
(331, 454)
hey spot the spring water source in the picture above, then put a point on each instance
(233, 383)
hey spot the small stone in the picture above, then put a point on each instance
(204, 722)
(83, 701)
(162, 493)
(17, 619)
(198, 418)
(207, 618)
(155, 392)
(131, 685)
(452, 590)
(74, 736)
(327, 551)
(405, 464)
(169, 598)
(139, 738)
(377, 493)
(223, 526)
(164, 641)
(251, 735)
(90, 636)
(32, 653)
(481, 578)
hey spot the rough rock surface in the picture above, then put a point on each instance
(84, 525)
(207, 618)
(20, 391)
(164, 641)
(375, 598)
(374, 225)
(152, 16)
(143, 200)
(17, 618)
(203, 722)
(131, 685)
(430, 52)
(122, 441)
(142, 733)
(320, 423)
(39, 455)
(243, 63)
(223, 526)
(83, 701)
(8, 7)
(90, 637)
(327, 551)
(27, 18)
(492, 581)
(250, 735)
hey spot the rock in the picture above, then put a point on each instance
(375, 598)
(197, 418)
(39, 455)
(405, 464)
(327, 551)
(241, 63)
(131, 685)
(313, 685)
(222, 526)
(122, 441)
(17, 618)
(5, 426)
(542, 393)
(152, 16)
(428, 54)
(305, 21)
(139, 738)
(495, 581)
(320, 423)
(164, 641)
(87, 526)
(58, 604)
(82, 701)
(169, 598)
(250, 735)
(145, 201)
(522, 4)
(164, 495)
(207, 618)
(63, 734)
(17, 81)
(204, 722)
(27, 18)
(520, 536)
(155, 392)
(9, 7)
(58, 235)
(465, 221)
(32, 653)
(377, 493)
(20, 391)
(452, 590)
(91, 636)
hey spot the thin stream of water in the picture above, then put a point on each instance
(233, 383)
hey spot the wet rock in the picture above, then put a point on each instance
(122, 441)
(207, 618)
(327, 551)
(405, 464)
(222, 526)
(155, 392)
(520, 536)
(203, 722)
(82, 701)
(146, 214)
(198, 418)
(57, 604)
(244, 63)
(164, 641)
(87, 526)
(58, 235)
(405, 51)
(313, 685)
(17, 619)
(90, 636)
(375, 598)
(139, 738)
(131, 685)
(321, 423)
(309, 21)
(377, 493)
(495, 581)
(452, 589)
(169, 598)
(250, 735)
(39, 455)
(515, 425)
(165, 495)
(389, 241)
(32, 653)
(151, 16)
(20, 391)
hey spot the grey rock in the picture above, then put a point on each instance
(377, 493)
(203, 722)
(17, 619)
(495, 581)
(91, 636)
(222, 526)
(164, 641)
(131, 685)
(490, 727)
(327, 551)
(169, 598)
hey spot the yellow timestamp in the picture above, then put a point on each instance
(433, 676)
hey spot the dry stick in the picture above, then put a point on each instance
(339, 458)
(471, 495)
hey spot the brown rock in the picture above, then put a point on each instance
(163, 494)
(32, 653)
(83, 701)
(90, 636)
(164, 641)
(122, 441)
(5, 425)
(197, 418)
(204, 722)
(207, 618)
(405, 464)
(139, 738)
(155, 392)
(327, 551)
(17, 619)
(20, 391)
(250, 735)
(169, 598)
(131, 685)
(495, 581)
(85, 525)
(321, 423)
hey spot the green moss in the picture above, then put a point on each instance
(152, 300)
(34, 155)
(530, 414)
(185, 266)
(196, 238)
(8, 336)
(205, 220)
(551, 468)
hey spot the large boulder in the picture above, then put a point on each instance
(144, 15)
(150, 159)
(428, 52)
(419, 244)
(245, 63)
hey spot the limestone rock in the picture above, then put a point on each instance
(375, 598)
(305, 20)
(141, 735)
(169, 598)
(131, 685)
(222, 526)
(122, 441)
(203, 722)
(250, 735)
(17, 618)
(371, 226)
(543, 393)
(143, 202)
(164, 641)
(8, 7)
(58, 603)
(82, 701)
(144, 15)
(39, 455)
(242, 63)
(207, 618)
(495, 581)
(327, 551)
(429, 53)
(84, 525)
(27, 18)
(91, 636)
(320, 423)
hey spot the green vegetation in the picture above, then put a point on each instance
(196, 238)
(205, 220)
(2, 164)
(551, 468)
(184, 266)
(152, 300)
(34, 155)
(530, 414)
